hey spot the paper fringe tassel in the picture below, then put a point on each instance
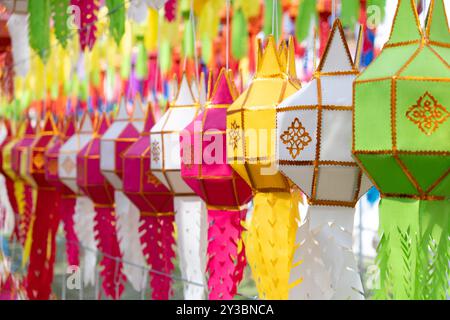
(18, 31)
(111, 263)
(324, 266)
(66, 212)
(157, 238)
(128, 235)
(88, 17)
(413, 253)
(84, 229)
(192, 230)
(24, 197)
(43, 246)
(226, 253)
(270, 242)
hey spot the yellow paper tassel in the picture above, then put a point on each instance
(270, 242)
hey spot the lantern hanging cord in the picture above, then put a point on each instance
(227, 40)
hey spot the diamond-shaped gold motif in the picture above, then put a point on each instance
(156, 151)
(428, 114)
(234, 135)
(152, 179)
(53, 167)
(39, 160)
(296, 138)
(68, 165)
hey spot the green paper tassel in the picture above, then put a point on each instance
(349, 13)
(206, 49)
(141, 61)
(413, 254)
(268, 13)
(116, 19)
(306, 12)
(125, 67)
(165, 59)
(60, 18)
(39, 27)
(239, 35)
(381, 4)
(188, 39)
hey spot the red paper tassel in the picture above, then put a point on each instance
(170, 10)
(106, 236)
(43, 247)
(87, 10)
(66, 211)
(225, 263)
(157, 240)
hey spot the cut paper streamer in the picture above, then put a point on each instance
(251, 122)
(87, 12)
(84, 208)
(96, 187)
(68, 197)
(314, 131)
(224, 192)
(190, 211)
(403, 98)
(123, 132)
(18, 31)
(155, 203)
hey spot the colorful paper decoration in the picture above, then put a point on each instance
(84, 208)
(18, 31)
(46, 216)
(155, 203)
(68, 197)
(251, 123)
(96, 187)
(314, 149)
(225, 193)
(60, 17)
(190, 215)
(122, 133)
(86, 10)
(401, 139)
(39, 27)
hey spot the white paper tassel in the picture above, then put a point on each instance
(130, 245)
(328, 265)
(6, 212)
(18, 31)
(84, 228)
(192, 229)
(138, 11)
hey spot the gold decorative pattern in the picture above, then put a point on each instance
(68, 165)
(39, 160)
(428, 114)
(53, 167)
(296, 138)
(152, 179)
(156, 151)
(234, 135)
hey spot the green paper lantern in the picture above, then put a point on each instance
(401, 139)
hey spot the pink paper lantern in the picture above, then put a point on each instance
(225, 193)
(96, 187)
(155, 203)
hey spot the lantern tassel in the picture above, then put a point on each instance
(67, 211)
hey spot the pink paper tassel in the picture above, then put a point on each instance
(157, 240)
(67, 210)
(225, 264)
(170, 10)
(105, 234)
(88, 10)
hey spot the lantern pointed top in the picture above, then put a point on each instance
(137, 113)
(406, 25)
(86, 124)
(337, 57)
(290, 68)
(28, 127)
(437, 28)
(49, 124)
(185, 95)
(70, 127)
(224, 91)
(269, 63)
(149, 119)
(122, 113)
(103, 124)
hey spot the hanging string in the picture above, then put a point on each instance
(333, 11)
(276, 20)
(191, 16)
(227, 40)
(273, 17)
(155, 89)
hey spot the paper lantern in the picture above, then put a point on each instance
(22, 191)
(122, 133)
(84, 208)
(155, 203)
(165, 162)
(46, 216)
(225, 193)
(401, 139)
(95, 186)
(314, 127)
(68, 197)
(251, 122)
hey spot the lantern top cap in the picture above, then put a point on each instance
(122, 113)
(273, 62)
(102, 123)
(437, 28)
(70, 127)
(185, 95)
(406, 25)
(137, 113)
(224, 90)
(86, 124)
(336, 57)
(49, 124)
(149, 121)
(29, 130)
